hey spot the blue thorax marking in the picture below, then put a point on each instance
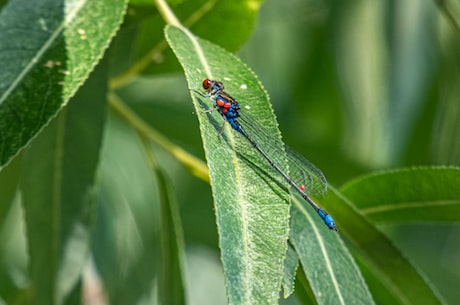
(229, 109)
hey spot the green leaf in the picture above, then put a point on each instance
(125, 239)
(290, 268)
(57, 184)
(395, 272)
(171, 279)
(451, 10)
(330, 269)
(252, 211)
(234, 20)
(9, 179)
(13, 252)
(374, 281)
(384, 70)
(47, 50)
(141, 48)
(426, 194)
(2, 3)
(445, 144)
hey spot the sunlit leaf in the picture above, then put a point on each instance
(252, 211)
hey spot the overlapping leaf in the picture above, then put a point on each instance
(400, 195)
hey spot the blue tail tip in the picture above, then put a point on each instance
(328, 220)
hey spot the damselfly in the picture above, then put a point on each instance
(297, 171)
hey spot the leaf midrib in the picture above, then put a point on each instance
(325, 254)
(237, 167)
(407, 206)
(244, 216)
(57, 195)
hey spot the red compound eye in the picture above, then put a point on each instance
(206, 84)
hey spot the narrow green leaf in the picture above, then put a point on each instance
(75, 296)
(290, 268)
(451, 10)
(47, 50)
(410, 69)
(330, 269)
(9, 228)
(374, 281)
(9, 179)
(428, 194)
(394, 271)
(252, 211)
(171, 279)
(445, 144)
(384, 70)
(57, 186)
(303, 290)
(125, 239)
(359, 49)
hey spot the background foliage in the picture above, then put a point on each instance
(99, 181)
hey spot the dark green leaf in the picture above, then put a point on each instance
(125, 240)
(233, 21)
(171, 279)
(47, 51)
(142, 49)
(57, 184)
(445, 144)
(9, 179)
(379, 289)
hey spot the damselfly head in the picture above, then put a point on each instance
(207, 84)
(212, 86)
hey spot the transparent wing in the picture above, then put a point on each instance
(298, 168)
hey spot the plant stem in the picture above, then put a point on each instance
(195, 165)
(156, 52)
(167, 13)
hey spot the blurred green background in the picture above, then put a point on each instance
(357, 86)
